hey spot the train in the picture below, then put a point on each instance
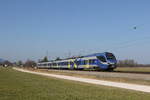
(98, 61)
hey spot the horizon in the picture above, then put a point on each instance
(33, 29)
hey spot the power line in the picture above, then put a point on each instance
(128, 43)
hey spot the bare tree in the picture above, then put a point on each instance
(45, 59)
(127, 63)
(30, 63)
(58, 58)
(19, 63)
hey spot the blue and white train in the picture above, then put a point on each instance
(99, 61)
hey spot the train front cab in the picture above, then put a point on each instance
(106, 61)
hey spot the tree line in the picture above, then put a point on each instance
(31, 63)
(28, 63)
(130, 63)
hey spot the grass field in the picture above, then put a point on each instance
(16, 85)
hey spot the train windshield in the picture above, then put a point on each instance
(110, 56)
(101, 58)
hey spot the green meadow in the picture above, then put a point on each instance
(16, 85)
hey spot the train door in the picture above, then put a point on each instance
(71, 65)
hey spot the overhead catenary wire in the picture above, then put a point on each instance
(128, 43)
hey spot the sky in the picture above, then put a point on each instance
(32, 29)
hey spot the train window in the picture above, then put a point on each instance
(110, 56)
(91, 61)
(54, 64)
(71, 63)
(78, 62)
(59, 64)
(101, 58)
(85, 62)
(65, 63)
(62, 63)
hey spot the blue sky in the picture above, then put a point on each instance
(30, 28)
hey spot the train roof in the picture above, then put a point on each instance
(91, 55)
(96, 54)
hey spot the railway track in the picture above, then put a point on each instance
(132, 72)
(115, 74)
